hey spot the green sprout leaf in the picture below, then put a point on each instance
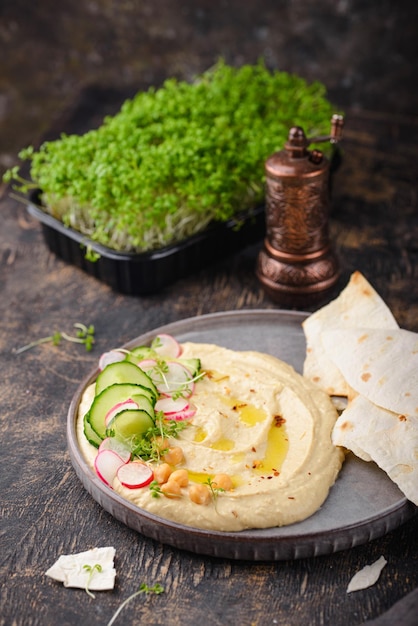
(215, 491)
(155, 489)
(91, 569)
(84, 335)
(156, 589)
(91, 255)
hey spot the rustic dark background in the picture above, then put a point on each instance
(365, 52)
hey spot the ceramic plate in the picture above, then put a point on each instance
(363, 504)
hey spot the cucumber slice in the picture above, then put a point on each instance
(123, 372)
(108, 398)
(136, 355)
(91, 436)
(193, 365)
(130, 424)
(145, 404)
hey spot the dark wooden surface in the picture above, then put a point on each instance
(45, 512)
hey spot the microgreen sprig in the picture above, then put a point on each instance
(84, 335)
(156, 589)
(91, 569)
(156, 342)
(155, 489)
(180, 392)
(215, 491)
(160, 370)
(149, 446)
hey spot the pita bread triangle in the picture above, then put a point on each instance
(387, 438)
(379, 364)
(358, 305)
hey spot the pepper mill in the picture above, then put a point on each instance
(297, 265)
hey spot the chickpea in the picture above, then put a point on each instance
(162, 473)
(222, 481)
(162, 443)
(171, 489)
(181, 477)
(174, 456)
(199, 494)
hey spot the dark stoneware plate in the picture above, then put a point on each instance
(363, 504)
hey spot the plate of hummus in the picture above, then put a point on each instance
(292, 493)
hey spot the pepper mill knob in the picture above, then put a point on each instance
(297, 265)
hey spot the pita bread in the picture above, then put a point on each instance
(356, 349)
(358, 305)
(389, 439)
(381, 365)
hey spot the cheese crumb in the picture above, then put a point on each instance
(71, 571)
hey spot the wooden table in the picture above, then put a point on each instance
(45, 510)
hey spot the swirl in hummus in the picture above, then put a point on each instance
(261, 423)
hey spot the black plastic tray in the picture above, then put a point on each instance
(149, 272)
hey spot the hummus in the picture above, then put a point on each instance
(261, 423)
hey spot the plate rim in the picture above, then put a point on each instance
(242, 545)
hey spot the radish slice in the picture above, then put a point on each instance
(118, 408)
(114, 356)
(106, 465)
(177, 379)
(147, 364)
(182, 415)
(175, 409)
(111, 443)
(135, 475)
(167, 346)
(170, 406)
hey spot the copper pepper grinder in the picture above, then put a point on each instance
(297, 265)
